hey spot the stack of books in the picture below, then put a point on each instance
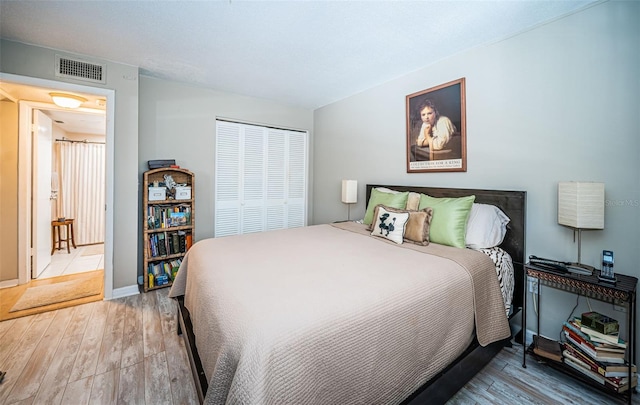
(599, 356)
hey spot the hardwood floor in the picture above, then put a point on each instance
(126, 351)
(505, 381)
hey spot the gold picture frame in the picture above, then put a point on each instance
(437, 129)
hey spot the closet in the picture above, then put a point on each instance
(260, 178)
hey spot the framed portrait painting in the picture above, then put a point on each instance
(437, 130)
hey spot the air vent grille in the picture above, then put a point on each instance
(80, 70)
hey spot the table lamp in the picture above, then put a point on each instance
(349, 194)
(581, 206)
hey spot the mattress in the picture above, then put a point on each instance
(329, 314)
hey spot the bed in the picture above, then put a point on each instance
(330, 314)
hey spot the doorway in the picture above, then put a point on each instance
(77, 192)
(25, 233)
(68, 187)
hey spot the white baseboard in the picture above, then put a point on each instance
(529, 337)
(125, 291)
(9, 283)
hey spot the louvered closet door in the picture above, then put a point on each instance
(297, 179)
(260, 178)
(227, 179)
(252, 182)
(276, 179)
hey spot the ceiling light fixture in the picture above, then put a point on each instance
(67, 100)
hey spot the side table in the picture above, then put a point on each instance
(623, 292)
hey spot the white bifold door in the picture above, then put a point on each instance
(260, 178)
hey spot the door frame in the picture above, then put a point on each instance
(41, 162)
(24, 172)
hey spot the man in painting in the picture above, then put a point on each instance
(436, 129)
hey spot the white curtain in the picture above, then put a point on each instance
(82, 181)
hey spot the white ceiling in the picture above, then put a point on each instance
(76, 122)
(306, 53)
(89, 119)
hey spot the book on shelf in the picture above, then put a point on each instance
(547, 348)
(153, 246)
(182, 238)
(177, 219)
(575, 327)
(162, 246)
(175, 266)
(622, 387)
(164, 216)
(170, 247)
(604, 368)
(176, 242)
(582, 368)
(617, 358)
(188, 241)
(617, 384)
(612, 339)
(163, 272)
(162, 279)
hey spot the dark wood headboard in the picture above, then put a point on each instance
(512, 203)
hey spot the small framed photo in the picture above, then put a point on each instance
(437, 129)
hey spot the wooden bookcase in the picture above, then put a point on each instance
(168, 224)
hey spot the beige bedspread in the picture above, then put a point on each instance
(330, 315)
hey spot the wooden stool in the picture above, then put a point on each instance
(56, 236)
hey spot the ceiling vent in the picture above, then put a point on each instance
(80, 70)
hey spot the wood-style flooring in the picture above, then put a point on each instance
(123, 351)
(126, 351)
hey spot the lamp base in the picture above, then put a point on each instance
(579, 268)
(612, 280)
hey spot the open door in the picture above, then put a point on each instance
(41, 192)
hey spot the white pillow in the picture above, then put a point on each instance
(413, 199)
(387, 190)
(389, 225)
(486, 227)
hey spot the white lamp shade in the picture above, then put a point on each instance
(349, 191)
(581, 204)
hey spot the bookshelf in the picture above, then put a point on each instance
(621, 293)
(168, 224)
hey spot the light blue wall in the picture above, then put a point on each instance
(177, 121)
(557, 103)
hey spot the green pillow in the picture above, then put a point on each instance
(449, 221)
(393, 200)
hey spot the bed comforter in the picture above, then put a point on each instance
(327, 314)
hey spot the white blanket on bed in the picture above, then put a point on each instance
(321, 315)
